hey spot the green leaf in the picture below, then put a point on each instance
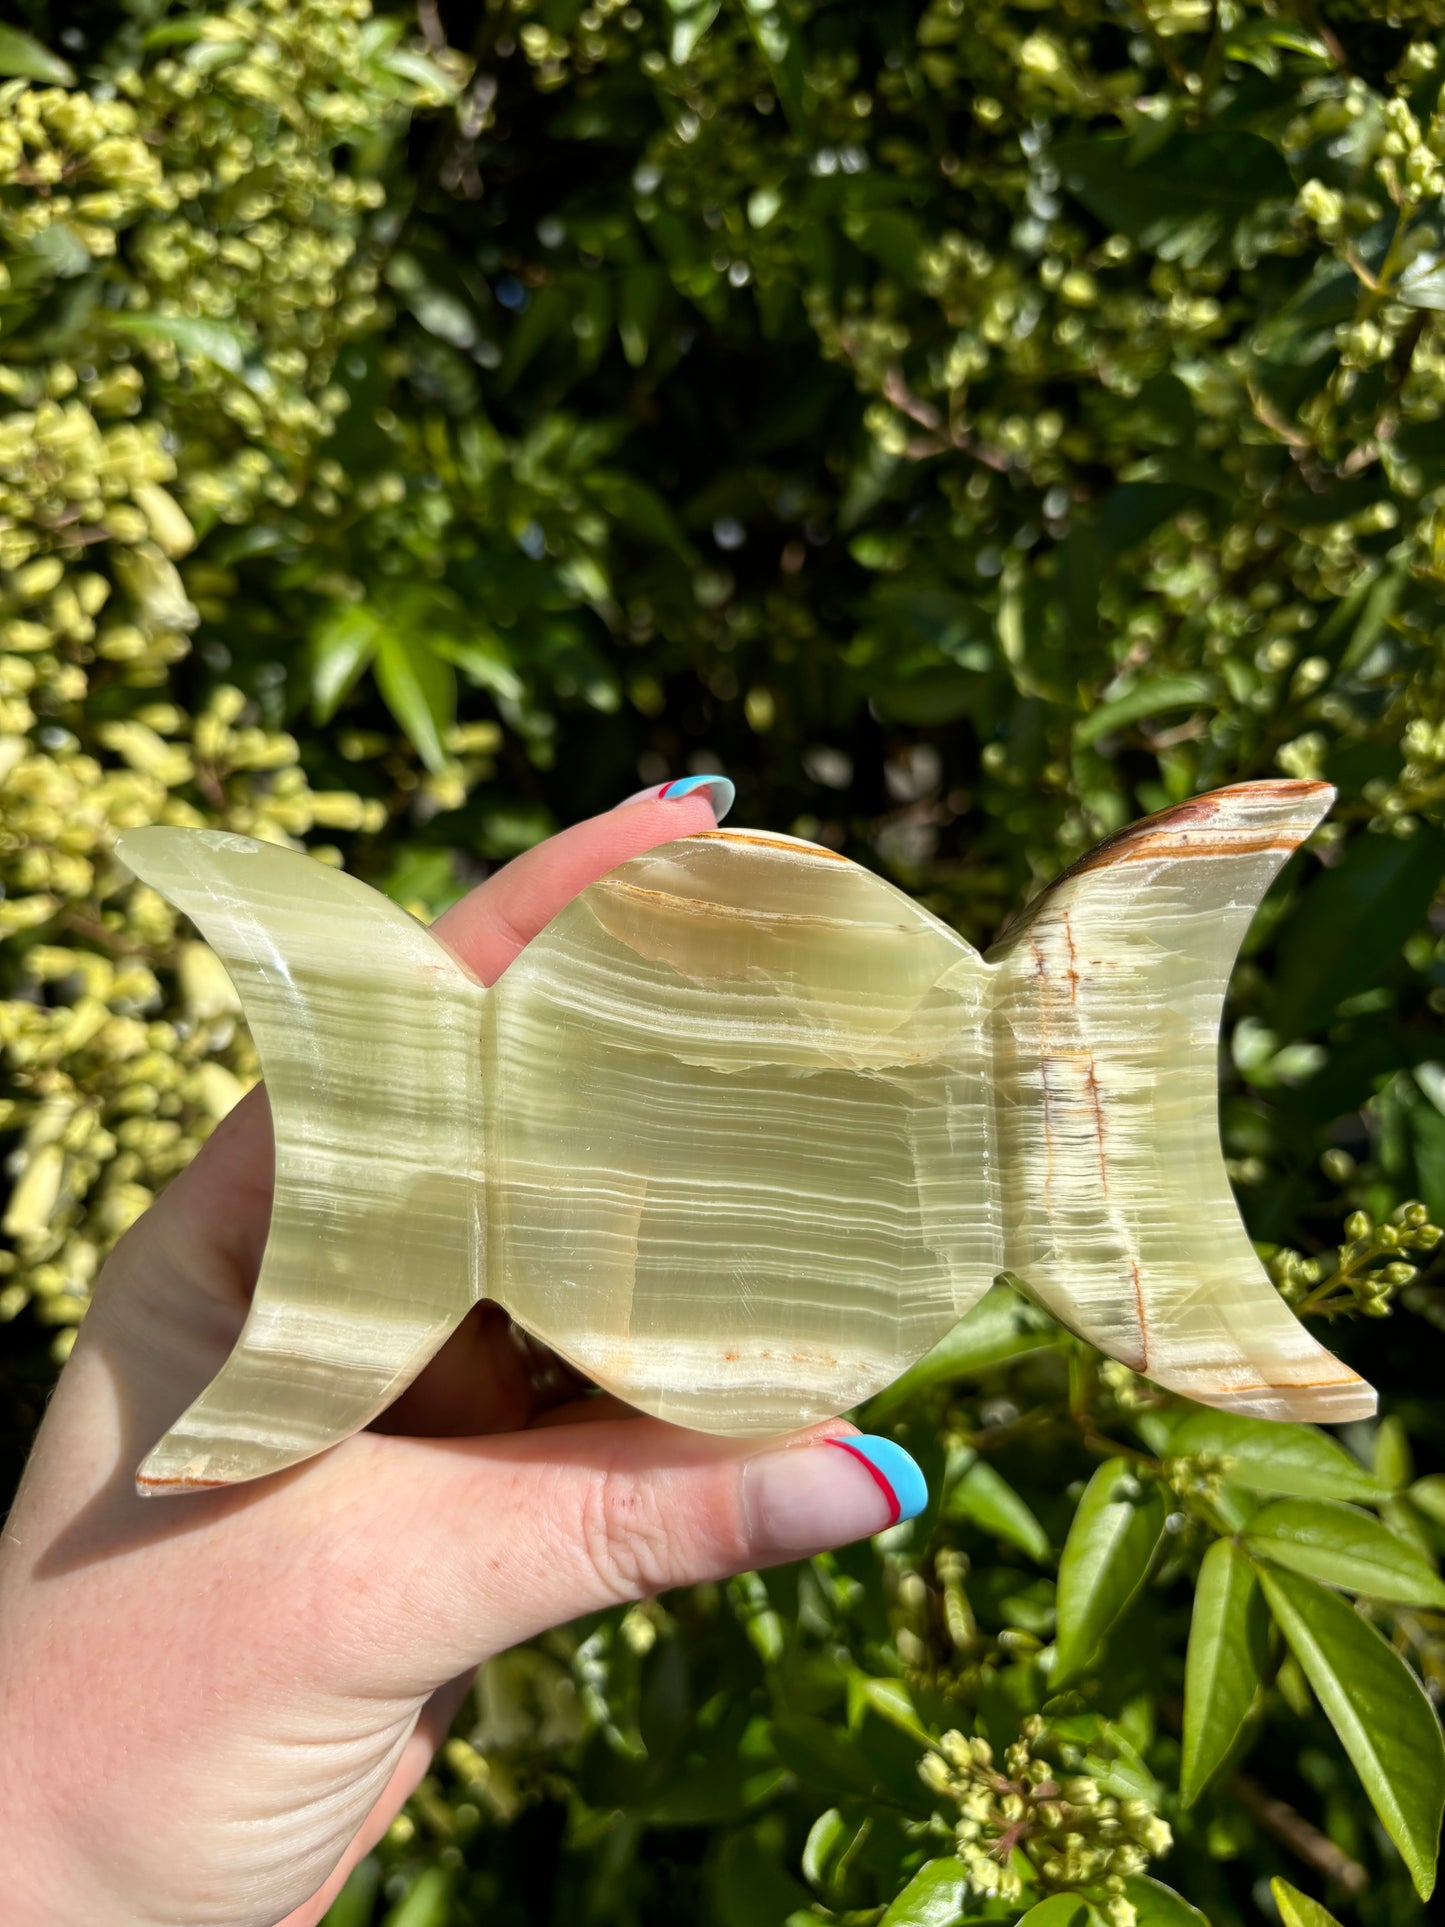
(1228, 1647)
(1060, 1910)
(1127, 516)
(1297, 1909)
(690, 21)
(23, 58)
(832, 1846)
(890, 1700)
(420, 691)
(821, 1756)
(1391, 1455)
(547, 316)
(1156, 1905)
(750, 1887)
(1347, 932)
(213, 341)
(1105, 1561)
(1002, 1325)
(935, 1897)
(985, 1497)
(893, 238)
(58, 251)
(640, 509)
(212, 55)
(1422, 285)
(1151, 696)
(640, 294)
(342, 644)
(1245, 39)
(780, 47)
(1183, 199)
(1265, 1455)
(821, 1847)
(428, 1904)
(884, 1726)
(1344, 1546)
(176, 33)
(353, 1906)
(1377, 1707)
(483, 659)
(1429, 1495)
(407, 63)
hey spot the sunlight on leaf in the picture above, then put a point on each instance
(1376, 1706)
(1228, 1647)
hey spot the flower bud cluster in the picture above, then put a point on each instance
(1420, 786)
(209, 185)
(74, 164)
(962, 325)
(118, 1075)
(1027, 1822)
(1363, 1274)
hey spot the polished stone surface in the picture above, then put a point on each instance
(744, 1131)
(741, 1164)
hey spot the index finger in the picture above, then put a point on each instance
(224, 1196)
(491, 924)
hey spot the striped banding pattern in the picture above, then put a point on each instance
(744, 1131)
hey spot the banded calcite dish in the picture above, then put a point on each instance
(744, 1131)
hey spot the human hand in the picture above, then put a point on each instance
(214, 1705)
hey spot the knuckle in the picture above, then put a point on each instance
(626, 1542)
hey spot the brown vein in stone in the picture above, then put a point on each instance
(1344, 1377)
(1073, 958)
(1041, 972)
(1143, 1364)
(1181, 844)
(1167, 833)
(1093, 1069)
(704, 906)
(182, 1484)
(1097, 1104)
(800, 848)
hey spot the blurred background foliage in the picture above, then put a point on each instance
(969, 426)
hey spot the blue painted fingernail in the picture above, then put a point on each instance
(800, 1498)
(895, 1473)
(720, 793)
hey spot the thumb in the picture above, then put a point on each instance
(491, 1540)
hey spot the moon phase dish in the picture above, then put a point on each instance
(744, 1131)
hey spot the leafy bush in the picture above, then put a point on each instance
(970, 426)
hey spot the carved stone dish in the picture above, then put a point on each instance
(744, 1131)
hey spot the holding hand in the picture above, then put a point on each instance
(215, 1705)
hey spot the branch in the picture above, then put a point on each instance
(1293, 1831)
(940, 439)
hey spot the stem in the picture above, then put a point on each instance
(1109, 1448)
(1292, 1830)
(1314, 1299)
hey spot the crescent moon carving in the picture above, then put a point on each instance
(367, 1030)
(1117, 1212)
(744, 1131)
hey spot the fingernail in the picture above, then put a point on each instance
(807, 1497)
(720, 793)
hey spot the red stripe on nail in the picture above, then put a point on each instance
(877, 1477)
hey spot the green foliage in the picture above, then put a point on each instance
(1225, 1664)
(970, 426)
(1385, 1722)
(1297, 1909)
(1106, 1558)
